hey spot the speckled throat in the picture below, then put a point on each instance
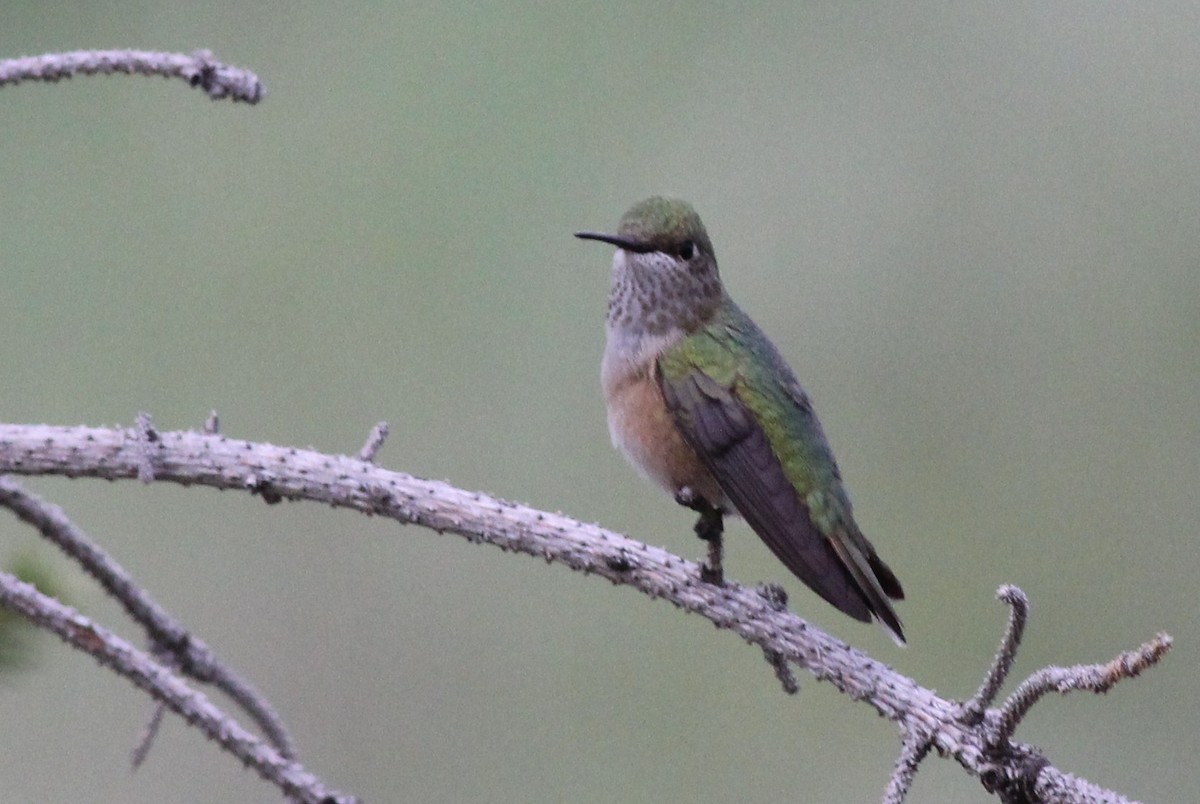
(655, 293)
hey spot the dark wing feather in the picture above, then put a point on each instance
(735, 449)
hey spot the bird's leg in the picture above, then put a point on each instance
(710, 527)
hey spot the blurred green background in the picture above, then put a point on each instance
(971, 228)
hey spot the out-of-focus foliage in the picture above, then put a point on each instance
(18, 638)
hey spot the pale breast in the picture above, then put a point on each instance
(643, 430)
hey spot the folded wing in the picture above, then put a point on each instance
(836, 562)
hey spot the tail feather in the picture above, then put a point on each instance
(876, 582)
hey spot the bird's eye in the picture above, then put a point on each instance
(687, 249)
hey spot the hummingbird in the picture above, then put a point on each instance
(700, 402)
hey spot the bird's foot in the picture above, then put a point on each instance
(711, 528)
(711, 570)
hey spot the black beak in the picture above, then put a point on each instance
(616, 240)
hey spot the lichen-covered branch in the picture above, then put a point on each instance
(926, 720)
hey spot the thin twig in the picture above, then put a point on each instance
(1006, 654)
(777, 597)
(163, 685)
(190, 654)
(199, 69)
(1097, 678)
(375, 439)
(911, 755)
(783, 671)
(142, 749)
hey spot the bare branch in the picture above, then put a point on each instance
(375, 439)
(782, 671)
(1098, 678)
(142, 749)
(146, 439)
(150, 676)
(1005, 655)
(776, 595)
(167, 636)
(911, 755)
(199, 69)
(927, 720)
